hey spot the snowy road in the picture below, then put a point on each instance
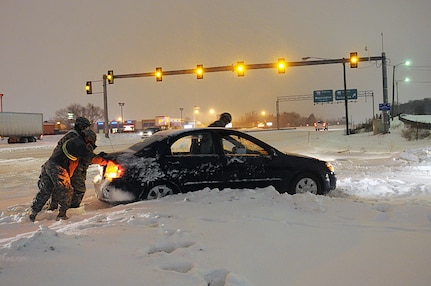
(374, 229)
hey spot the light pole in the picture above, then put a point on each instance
(195, 114)
(346, 102)
(121, 104)
(394, 67)
(396, 87)
(181, 118)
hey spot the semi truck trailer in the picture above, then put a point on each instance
(21, 127)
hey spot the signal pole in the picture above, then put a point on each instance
(346, 102)
(105, 106)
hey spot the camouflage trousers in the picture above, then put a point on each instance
(55, 180)
(78, 185)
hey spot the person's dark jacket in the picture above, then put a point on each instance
(72, 151)
(218, 123)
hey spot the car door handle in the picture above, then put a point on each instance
(234, 160)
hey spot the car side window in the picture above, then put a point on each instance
(240, 146)
(197, 144)
(181, 146)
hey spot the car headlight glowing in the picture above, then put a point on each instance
(329, 166)
(113, 171)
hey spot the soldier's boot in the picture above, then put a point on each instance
(62, 215)
(32, 215)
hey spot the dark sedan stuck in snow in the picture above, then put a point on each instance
(180, 161)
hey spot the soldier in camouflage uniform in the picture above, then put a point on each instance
(80, 174)
(57, 171)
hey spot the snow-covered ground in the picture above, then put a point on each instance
(374, 229)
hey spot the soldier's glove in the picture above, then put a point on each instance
(103, 155)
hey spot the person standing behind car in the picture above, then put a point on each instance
(80, 174)
(225, 119)
(57, 171)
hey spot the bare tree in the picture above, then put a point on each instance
(91, 112)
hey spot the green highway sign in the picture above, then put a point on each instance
(323, 96)
(352, 94)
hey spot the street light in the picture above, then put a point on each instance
(212, 113)
(396, 84)
(394, 67)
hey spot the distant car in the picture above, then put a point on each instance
(320, 125)
(179, 161)
(149, 131)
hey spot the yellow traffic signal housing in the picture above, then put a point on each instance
(110, 77)
(354, 60)
(159, 74)
(88, 87)
(240, 68)
(281, 65)
(199, 71)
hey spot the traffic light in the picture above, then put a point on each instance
(88, 87)
(240, 68)
(158, 74)
(199, 71)
(354, 60)
(110, 77)
(281, 65)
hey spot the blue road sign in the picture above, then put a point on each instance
(384, 106)
(323, 96)
(352, 94)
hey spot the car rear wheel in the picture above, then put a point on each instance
(159, 191)
(306, 183)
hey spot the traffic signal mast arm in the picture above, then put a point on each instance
(240, 69)
(248, 67)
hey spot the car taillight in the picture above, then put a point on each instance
(113, 170)
(329, 166)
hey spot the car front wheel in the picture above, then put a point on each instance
(159, 191)
(306, 183)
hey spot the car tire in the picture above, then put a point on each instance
(304, 183)
(159, 191)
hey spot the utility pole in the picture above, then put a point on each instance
(385, 94)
